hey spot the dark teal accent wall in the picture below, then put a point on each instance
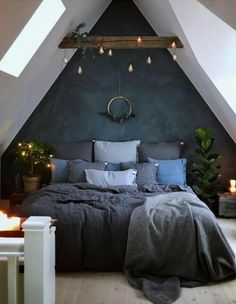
(166, 104)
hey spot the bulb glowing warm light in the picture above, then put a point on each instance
(173, 45)
(174, 57)
(110, 52)
(101, 50)
(65, 60)
(149, 60)
(139, 39)
(51, 155)
(19, 144)
(232, 188)
(12, 223)
(23, 153)
(130, 68)
(80, 70)
(48, 165)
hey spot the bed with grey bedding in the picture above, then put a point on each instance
(162, 236)
(92, 222)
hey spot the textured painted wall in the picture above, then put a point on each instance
(166, 104)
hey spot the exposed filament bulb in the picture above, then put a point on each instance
(130, 68)
(101, 50)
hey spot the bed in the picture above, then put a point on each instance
(146, 228)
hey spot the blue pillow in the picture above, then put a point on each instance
(113, 167)
(171, 171)
(60, 170)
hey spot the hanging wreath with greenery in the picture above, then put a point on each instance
(122, 117)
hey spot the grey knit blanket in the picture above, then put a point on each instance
(173, 241)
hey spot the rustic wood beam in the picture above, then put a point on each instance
(121, 42)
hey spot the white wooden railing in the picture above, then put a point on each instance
(38, 249)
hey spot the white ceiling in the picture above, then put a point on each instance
(224, 9)
(207, 57)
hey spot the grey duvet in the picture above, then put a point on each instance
(173, 241)
(162, 242)
(92, 222)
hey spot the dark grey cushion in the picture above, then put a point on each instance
(165, 150)
(59, 169)
(73, 150)
(146, 174)
(77, 167)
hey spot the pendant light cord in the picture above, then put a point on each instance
(119, 81)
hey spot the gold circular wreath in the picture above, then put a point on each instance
(123, 117)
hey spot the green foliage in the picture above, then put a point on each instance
(76, 34)
(32, 155)
(206, 169)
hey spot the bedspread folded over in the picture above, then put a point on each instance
(173, 241)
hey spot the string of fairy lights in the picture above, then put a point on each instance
(101, 51)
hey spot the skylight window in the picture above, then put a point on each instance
(31, 37)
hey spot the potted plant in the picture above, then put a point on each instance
(206, 169)
(33, 156)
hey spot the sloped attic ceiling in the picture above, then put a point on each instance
(207, 59)
(225, 10)
(19, 96)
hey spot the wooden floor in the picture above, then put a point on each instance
(112, 288)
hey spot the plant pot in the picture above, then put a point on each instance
(31, 183)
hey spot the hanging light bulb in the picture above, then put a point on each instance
(110, 52)
(173, 45)
(149, 60)
(130, 68)
(101, 50)
(65, 60)
(80, 70)
(139, 39)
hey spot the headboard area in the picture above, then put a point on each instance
(85, 150)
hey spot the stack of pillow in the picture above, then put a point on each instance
(116, 163)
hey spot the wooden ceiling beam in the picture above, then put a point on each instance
(120, 42)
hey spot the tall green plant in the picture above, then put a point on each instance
(206, 168)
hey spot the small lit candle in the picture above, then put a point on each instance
(12, 223)
(232, 188)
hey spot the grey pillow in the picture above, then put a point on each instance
(165, 150)
(73, 150)
(77, 170)
(146, 174)
(116, 152)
